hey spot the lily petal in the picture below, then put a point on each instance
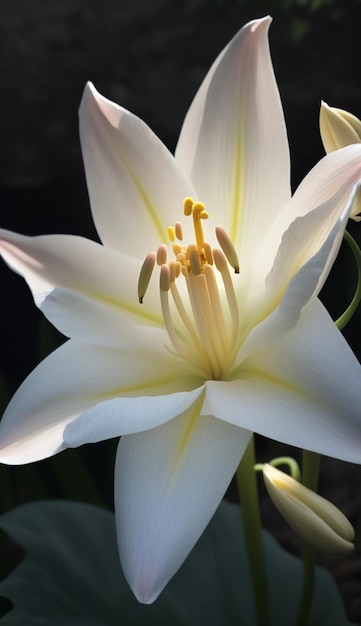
(299, 290)
(296, 391)
(76, 263)
(124, 164)
(78, 377)
(233, 143)
(168, 484)
(329, 183)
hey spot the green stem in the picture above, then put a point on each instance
(310, 473)
(247, 488)
(352, 307)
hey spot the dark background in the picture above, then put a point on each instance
(150, 56)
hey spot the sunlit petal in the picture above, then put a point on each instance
(79, 376)
(168, 483)
(233, 144)
(329, 185)
(303, 390)
(75, 263)
(132, 200)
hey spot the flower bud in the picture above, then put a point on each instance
(339, 129)
(314, 518)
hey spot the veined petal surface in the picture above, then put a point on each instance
(303, 390)
(168, 484)
(108, 277)
(132, 200)
(79, 376)
(329, 185)
(233, 143)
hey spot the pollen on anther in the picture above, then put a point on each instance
(188, 206)
(171, 233)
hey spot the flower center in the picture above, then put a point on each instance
(201, 317)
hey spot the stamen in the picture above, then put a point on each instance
(208, 253)
(177, 249)
(162, 254)
(222, 267)
(228, 248)
(178, 231)
(188, 206)
(145, 275)
(195, 262)
(164, 279)
(171, 233)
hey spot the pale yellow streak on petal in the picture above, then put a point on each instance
(136, 309)
(238, 170)
(150, 388)
(152, 211)
(193, 416)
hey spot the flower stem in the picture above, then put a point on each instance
(310, 472)
(352, 307)
(247, 489)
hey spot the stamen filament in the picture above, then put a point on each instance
(206, 326)
(184, 315)
(222, 267)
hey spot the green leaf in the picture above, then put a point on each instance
(71, 575)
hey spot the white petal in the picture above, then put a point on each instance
(168, 484)
(303, 390)
(329, 184)
(136, 188)
(233, 144)
(307, 282)
(78, 377)
(81, 265)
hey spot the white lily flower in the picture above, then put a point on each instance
(212, 355)
(319, 522)
(338, 129)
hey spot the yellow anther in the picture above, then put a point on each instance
(164, 279)
(228, 248)
(162, 254)
(188, 206)
(178, 231)
(171, 233)
(145, 275)
(177, 249)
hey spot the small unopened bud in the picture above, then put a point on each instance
(315, 519)
(339, 129)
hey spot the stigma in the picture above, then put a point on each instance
(202, 319)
